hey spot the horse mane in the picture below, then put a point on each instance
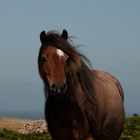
(77, 68)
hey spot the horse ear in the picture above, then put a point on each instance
(64, 34)
(42, 36)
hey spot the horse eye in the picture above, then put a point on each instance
(43, 60)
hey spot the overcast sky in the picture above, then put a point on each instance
(108, 29)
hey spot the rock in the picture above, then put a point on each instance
(37, 126)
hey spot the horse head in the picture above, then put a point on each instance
(52, 63)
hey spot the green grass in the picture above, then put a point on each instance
(131, 128)
(131, 132)
(11, 135)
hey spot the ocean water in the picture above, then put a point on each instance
(33, 114)
(23, 114)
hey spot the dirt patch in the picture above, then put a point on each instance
(12, 123)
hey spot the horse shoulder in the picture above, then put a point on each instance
(108, 80)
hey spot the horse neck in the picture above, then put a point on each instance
(83, 93)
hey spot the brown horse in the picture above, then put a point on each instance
(81, 104)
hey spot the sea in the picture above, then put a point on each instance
(33, 115)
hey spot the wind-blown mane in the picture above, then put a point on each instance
(77, 68)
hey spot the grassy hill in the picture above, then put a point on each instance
(131, 132)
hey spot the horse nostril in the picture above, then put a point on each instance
(53, 87)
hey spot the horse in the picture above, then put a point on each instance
(80, 103)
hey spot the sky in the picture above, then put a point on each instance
(108, 32)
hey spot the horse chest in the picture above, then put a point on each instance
(66, 119)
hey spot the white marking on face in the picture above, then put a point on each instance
(60, 52)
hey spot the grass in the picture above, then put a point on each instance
(131, 132)
(131, 128)
(12, 135)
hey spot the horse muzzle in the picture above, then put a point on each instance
(56, 89)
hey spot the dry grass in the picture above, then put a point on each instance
(12, 123)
